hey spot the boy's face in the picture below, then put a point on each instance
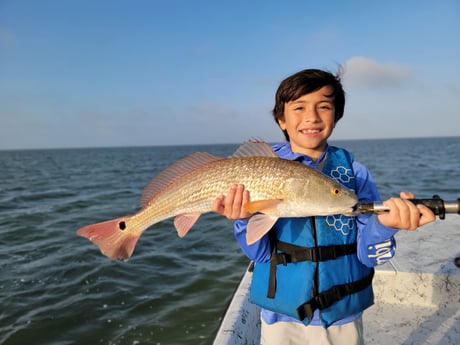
(309, 121)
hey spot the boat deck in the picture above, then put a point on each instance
(417, 294)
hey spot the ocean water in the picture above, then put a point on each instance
(57, 288)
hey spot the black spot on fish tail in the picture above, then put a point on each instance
(122, 225)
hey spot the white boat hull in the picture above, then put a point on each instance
(241, 323)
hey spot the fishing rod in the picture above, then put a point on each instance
(439, 206)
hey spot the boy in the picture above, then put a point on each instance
(313, 275)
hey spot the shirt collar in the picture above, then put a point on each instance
(284, 151)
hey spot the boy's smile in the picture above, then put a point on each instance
(309, 121)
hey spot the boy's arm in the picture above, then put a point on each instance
(260, 251)
(376, 243)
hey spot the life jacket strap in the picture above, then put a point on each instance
(284, 253)
(334, 294)
(291, 253)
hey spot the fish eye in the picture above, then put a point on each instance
(336, 191)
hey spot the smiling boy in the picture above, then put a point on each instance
(313, 275)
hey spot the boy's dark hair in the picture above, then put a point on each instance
(304, 82)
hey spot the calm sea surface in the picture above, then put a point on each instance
(57, 288)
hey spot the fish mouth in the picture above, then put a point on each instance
(352, 211)
(347, 211)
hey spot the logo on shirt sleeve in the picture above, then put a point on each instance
(381, 252)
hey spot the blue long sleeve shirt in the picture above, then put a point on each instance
(375, 242)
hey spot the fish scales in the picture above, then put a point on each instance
(264, 177)
(186, 189)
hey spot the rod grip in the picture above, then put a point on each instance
(436, 204)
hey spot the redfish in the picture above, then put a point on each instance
(187, 188)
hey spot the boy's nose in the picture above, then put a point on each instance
(311, 115)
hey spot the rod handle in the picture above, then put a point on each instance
(435, 204)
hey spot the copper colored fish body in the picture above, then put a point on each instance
(187, 189)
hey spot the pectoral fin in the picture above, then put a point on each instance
(184, 222)
(263, 206)
(258, 226)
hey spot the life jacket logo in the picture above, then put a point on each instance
(341, 223)
(342, 174)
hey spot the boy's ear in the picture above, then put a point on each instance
(282, 124)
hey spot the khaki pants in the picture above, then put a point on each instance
(293, 333)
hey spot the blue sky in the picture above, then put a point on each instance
(92, 73)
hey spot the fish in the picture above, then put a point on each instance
(186, 189)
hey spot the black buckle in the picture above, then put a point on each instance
(282, 256)
(324, 253)
(307, 309)
(329, 297)
(322, 301)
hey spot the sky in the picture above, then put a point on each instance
(103, 73)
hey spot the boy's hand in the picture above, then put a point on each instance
(231, 206)
(404, 214)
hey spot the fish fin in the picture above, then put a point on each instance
(258, 226)
(174, 171)
(254, 148)
(112, 238)
(184, 222)
(264, 206)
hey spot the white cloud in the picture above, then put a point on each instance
(362, 71)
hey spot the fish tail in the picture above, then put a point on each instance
(112, 237)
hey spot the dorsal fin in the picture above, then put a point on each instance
(254, 148)
(174, 171)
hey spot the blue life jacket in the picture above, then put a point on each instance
(314, 264)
